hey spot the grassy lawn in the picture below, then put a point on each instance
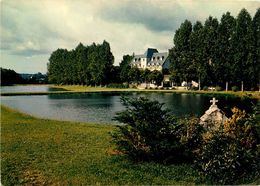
(39, 151)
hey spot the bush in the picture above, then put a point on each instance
(205, 88)
(152, 133)
(235, 88)
(233, 152)
(218, 88)
(194, 88)
(117, 85)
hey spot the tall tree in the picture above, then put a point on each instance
(225, 50)
(180, 55)
(243, 43)
(256, 30)
(198, 57)
(210, 48)
(125, 67)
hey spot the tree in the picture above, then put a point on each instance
(9, 77)
(198, 57)
(134, 75)
(243, 66)
(180, 55)
(125, 68)
(156, 77)
(145, 75)
(91, 65)
(147, 133)
(256, 31)
(225, 50)
(210, 48)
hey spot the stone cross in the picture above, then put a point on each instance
(213, 101)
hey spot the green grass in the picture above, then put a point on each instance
(39, 151)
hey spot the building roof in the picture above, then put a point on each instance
(153, 57)
(149, 52)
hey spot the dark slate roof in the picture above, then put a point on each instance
(150, 52)
(156, 61)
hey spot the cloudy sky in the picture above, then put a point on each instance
(31, 29)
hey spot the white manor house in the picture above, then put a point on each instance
(151, 60)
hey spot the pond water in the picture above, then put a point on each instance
(29, 88)
(101, 107)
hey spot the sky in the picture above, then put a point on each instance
(32, 29)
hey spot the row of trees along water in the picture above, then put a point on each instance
(91, 65)
(225, 53)
(218, 53)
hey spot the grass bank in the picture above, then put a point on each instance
(70, 89)
(77, 88)
(39, 151)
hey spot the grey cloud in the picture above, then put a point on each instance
(164, 15)
(30, 52)
(150, 15)
(20, 26)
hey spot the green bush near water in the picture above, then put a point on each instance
(151, 133)
(227, 156)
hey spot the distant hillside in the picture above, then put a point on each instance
(10, 77)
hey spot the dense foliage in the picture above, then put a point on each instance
(89, 65)
(218, 53)
(233, 152)
(9, 77)
(151, 133)
(225, 156)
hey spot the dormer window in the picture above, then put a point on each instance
(139, 59)
(135, 59)
(153, 58)
(162, 57)
(158, 58)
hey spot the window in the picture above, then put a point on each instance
(158, 58)
(162, 57)
(153, 58)
(139, 59)
(135, 59)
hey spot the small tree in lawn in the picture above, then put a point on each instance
(152, 133)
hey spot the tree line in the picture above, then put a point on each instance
(88, 65)
(218, 53)
(10, 77)
(93, 65)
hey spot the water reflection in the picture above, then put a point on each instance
(29, 88)
(101, 107)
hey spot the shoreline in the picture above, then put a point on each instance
(83, 89)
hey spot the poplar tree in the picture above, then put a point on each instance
(243, 43)
(256, 31)
(225, 50)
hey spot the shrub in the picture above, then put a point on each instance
(235, 88)
(152, 133)
(218, 88)
(233, 152)
(205, 88)
(118, 85)
(194, 88)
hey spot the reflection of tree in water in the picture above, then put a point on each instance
(101, 107)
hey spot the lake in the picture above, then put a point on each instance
(101, 107)
(29, 88)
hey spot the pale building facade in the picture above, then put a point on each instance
(151, 60)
